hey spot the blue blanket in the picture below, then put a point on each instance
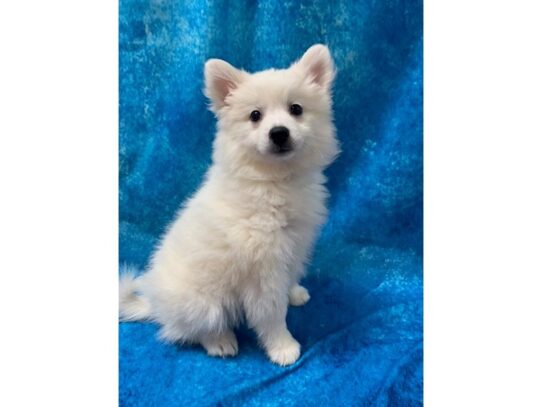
(361, 333)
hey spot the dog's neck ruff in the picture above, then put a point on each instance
(258, 173)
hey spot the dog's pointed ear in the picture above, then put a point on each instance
(220, 80)
(318, 65)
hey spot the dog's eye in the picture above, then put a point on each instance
(255, 116)
(296, 110)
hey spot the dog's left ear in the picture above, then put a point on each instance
(317, 63)
(221, 79)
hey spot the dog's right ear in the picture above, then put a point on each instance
(220, 80)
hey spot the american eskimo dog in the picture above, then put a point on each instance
(238, 248)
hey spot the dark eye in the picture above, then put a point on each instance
(255, 115)
(296, 110)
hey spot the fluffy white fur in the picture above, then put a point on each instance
(238, 247)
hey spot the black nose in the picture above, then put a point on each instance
(279, 135)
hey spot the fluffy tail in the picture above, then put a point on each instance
(132, 305)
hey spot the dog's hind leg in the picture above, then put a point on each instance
(221, 344)
(298, 295)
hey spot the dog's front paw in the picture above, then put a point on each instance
(221, 345)
(298, 295)
(285, 353)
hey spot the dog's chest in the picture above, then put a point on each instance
(269, 222)
(275, 208)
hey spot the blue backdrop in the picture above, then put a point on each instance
(361, 333)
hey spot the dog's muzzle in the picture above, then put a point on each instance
(280, 137)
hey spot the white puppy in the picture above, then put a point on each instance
(238, 247)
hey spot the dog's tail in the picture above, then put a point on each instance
(132, 305)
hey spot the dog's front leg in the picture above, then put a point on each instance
(280, 345)
(267, 315)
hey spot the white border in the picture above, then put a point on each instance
(58, 216)
(483, 203)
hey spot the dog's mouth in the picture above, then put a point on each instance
(282, 153)
(283, 150)
(279, 153)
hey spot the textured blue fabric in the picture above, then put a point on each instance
(361, 333)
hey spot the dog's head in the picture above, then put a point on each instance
(278, 118)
